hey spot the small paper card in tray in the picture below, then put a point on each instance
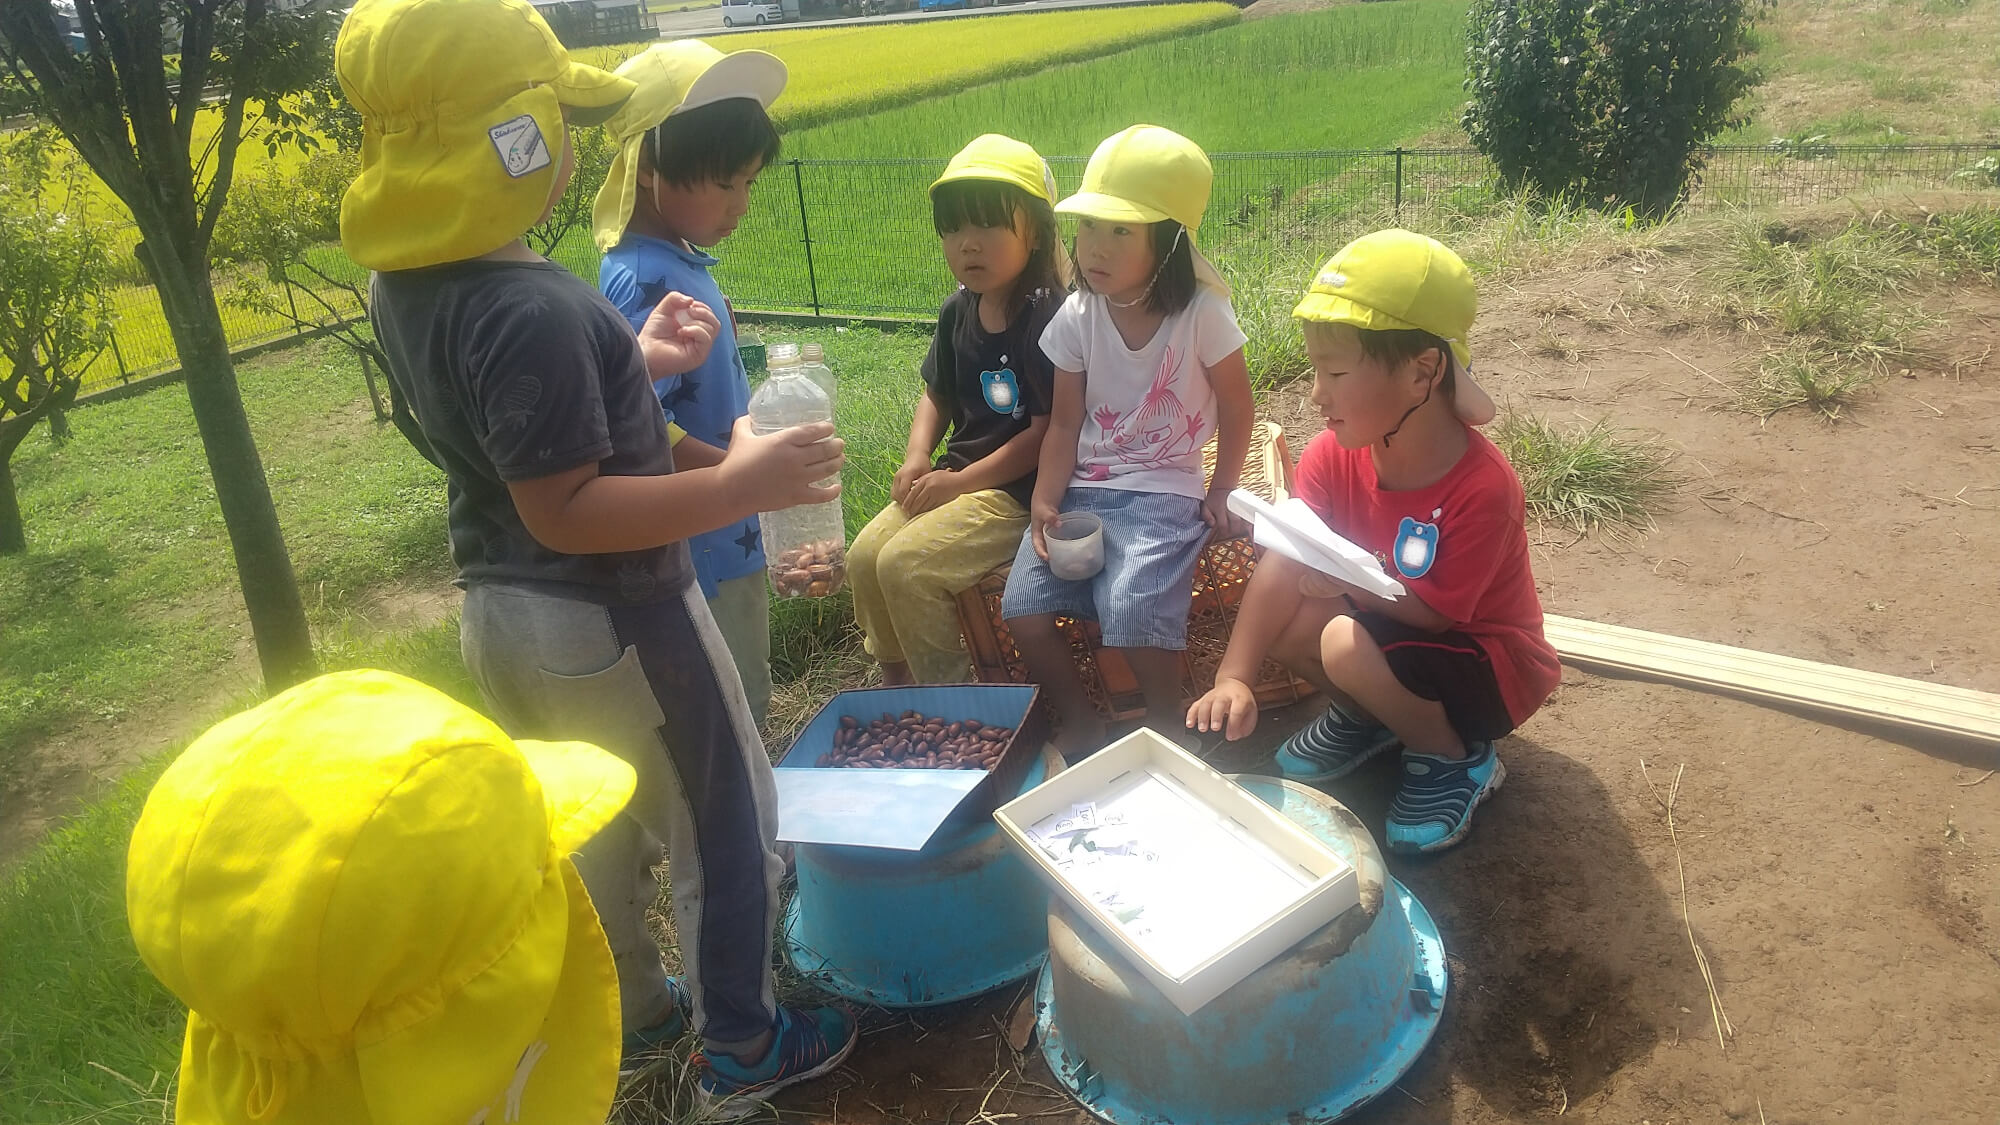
(1196, 881)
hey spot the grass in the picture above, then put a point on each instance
(1963, 242)
(1851, 289)
(86, 1033)
(843, 71)
(1874, 70)
(1844, 303)
(1349, 77)
(1356, 76)
(1797, 374)
(127, 593)
(1585, 476)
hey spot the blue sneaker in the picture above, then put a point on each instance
(1332, 746)
(806, 1044)
(643, 1045)
(1433, 809)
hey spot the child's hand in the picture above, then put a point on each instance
(1230, 707)
(773, 472)
(1040, 515)
(678, 335)
(911, 471)
(1215, 513)
(932, 490)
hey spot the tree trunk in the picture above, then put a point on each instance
(13, 533)
(270, 590)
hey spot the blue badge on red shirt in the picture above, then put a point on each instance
(1416, 546)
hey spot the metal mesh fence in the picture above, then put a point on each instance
(854, 237)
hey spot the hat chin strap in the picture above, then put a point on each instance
(1148, 291)
(1428, 390)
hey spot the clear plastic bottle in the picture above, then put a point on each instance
(805, 548)
(813, 358)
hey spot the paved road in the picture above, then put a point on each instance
(707, 22)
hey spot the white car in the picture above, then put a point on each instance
(738, 12)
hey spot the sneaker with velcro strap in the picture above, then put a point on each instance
(1433, 808)
(1333, 746)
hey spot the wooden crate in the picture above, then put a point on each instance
(1220, 577)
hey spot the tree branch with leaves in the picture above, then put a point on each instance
(55, 314)
(111, 99)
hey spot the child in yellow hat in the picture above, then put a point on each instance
(1459, 660)
(363, 892)
(987, 392)
(691, 143)
(1149, 364)
(568, 520)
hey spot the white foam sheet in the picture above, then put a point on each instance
(1294, 530)
(897, 809)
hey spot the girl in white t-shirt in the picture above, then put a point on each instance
(1149, 365)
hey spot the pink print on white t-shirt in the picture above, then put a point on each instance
(1154, 434)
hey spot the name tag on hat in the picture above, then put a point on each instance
(520, 145)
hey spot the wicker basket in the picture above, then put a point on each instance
(1220, 578)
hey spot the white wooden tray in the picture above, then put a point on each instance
(1195, 880)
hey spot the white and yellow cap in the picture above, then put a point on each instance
(1001, 159)
(461, 105)
(672, 78)
(1145, 174)
(1398, 279)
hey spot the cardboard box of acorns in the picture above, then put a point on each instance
(996, 728)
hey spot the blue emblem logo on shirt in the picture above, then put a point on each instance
(1002, 393)
(1416, 547)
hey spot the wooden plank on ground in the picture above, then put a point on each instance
(1912, 704)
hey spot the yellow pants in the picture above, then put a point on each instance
(905, 573)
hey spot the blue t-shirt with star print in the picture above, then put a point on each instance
(635, 276)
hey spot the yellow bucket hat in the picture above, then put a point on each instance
(362, 891)
(462, 127)
(1145, 174)
(672, 78)
(1002, 160)
(1397, 279)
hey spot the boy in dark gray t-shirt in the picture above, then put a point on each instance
(567, 520)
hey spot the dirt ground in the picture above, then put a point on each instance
(68, 768)
(1844, 886)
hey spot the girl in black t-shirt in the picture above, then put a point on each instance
(987, 385)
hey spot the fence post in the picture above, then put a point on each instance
(124, 376)
(805, 231)
(1399, 184)
(292, 302)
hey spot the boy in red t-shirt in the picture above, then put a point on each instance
(1459, 660)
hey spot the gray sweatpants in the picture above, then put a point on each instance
(655, 685)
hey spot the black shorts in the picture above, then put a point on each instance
(1449, 668)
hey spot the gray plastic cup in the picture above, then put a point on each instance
(1076, 546)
